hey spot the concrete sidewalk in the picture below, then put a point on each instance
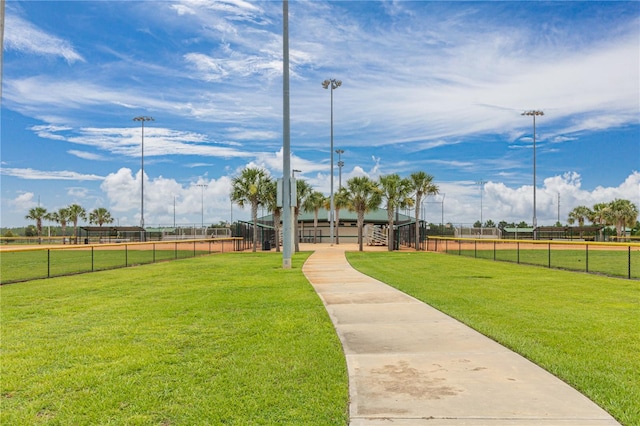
(409, 364)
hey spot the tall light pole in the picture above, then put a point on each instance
(481, 183)
(534, 113)
(442, 212)
(142, 120)
(333, 84)
(202, 186)
(340, 164)
(287, 234)
(294, 203)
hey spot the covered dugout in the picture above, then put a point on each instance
(112, 234)
(570, 233)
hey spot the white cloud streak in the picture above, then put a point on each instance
(31, 174)
(25, 37)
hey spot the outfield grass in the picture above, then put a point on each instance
(583, 328)
(225, 339)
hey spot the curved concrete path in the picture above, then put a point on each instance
(410, 364)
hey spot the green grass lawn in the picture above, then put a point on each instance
(30, 265)
(583, 328)
(225, 339)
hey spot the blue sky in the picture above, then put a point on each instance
(431, 86)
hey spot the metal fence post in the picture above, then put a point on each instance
(48, 263)
(586, 260)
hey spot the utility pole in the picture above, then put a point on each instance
(534, 113)
(286, 143)
(331, 84)
(142, 120)
(202, 186)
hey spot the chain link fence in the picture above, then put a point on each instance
(612, 259)
(30, 263)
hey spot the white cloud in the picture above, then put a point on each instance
(123, 191)
(126, 141)
(25, 37)
(23, 202)
(86, 155)
(516, 204)
(78, 192)
(32, 174)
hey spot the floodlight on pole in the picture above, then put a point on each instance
(332, 84)
(202, 186)
(142, 120)
(534, 113)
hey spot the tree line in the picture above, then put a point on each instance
(67, 215)
(619, 213)
(253, 187)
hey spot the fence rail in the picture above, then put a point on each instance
(28, 262)
(613, 259)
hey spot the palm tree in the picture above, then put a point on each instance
(599, 215)
(313, 202)
(363, 195)
(76, 212)
(303, 189)
(422, 185)
(37, 213)
(100, 216)
(622, 213)
(395, 191)
(250, 188)
(271, 202)
(579, 214)
(61, 217)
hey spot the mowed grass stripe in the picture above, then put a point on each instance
(225, 339)
(583, 328)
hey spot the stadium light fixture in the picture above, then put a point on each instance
(333, 84)
(534, 113)
(142, 119)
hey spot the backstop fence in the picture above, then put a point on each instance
(612, 259)
(30, 263)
